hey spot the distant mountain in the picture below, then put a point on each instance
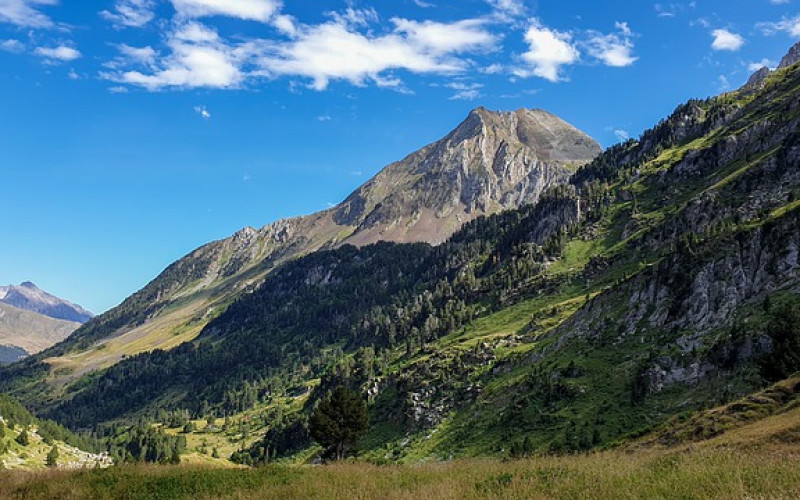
(31, 298)
(26, 332)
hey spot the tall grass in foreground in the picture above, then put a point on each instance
(718, 473)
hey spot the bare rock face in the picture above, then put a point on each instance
(491, 162)
(791, 57)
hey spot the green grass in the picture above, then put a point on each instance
(690, 475)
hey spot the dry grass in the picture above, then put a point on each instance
(704, 473)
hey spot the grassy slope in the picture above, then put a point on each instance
(33, 456)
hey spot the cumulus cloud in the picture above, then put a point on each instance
(250, 10)
(335, 51)
(549, 50)
(788, 25)
(60, 53)
(615, 49)
(198, 58)
(726, 40)
(130, 13)
(342, 48)
(24, 13)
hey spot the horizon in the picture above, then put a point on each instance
(122, 155)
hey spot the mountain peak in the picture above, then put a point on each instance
(30, 297)
(791, 57)
(492, 161)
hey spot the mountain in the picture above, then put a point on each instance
(661, 278)
(491, 162)
(29, 297)
(25, 332)
(791, 58)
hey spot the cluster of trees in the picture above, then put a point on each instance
(146, 443)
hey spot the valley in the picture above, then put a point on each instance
(518, 314)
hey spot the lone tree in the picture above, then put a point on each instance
(52, 457)
(22, 438)
(339, 422)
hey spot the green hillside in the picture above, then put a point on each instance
(661, 279)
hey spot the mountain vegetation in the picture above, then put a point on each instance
(657, 280)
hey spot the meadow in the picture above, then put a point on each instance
(704, 472)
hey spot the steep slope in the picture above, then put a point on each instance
(492, 161)
(662, 278)
(29, 297)
(32, 332)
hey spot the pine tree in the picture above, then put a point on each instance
(22, 438)
(52, 457)
(2, 429)
(339, 422)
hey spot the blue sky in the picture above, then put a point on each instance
(133, 131)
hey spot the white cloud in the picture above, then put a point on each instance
(12, 46)
(24, 13)
(118, 90)
(60, 53)
(493, 69)
(441, 38)
(424, 5)
(324, 118)
(614, 49)
(198, 58)
(778, 2)
(508, 8)
(335, 51)
(724, 84)
(622, 135)
(130, 13)
(764, 63)
(726, 40)
(549, 50)
(789, 25)
(203, 112)
(465, 91)
(251, 10)
(355, 17)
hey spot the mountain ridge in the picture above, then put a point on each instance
(32, 298)
(495, 170)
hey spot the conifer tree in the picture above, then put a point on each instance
(339, 422)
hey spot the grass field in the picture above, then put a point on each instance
(702, 473)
